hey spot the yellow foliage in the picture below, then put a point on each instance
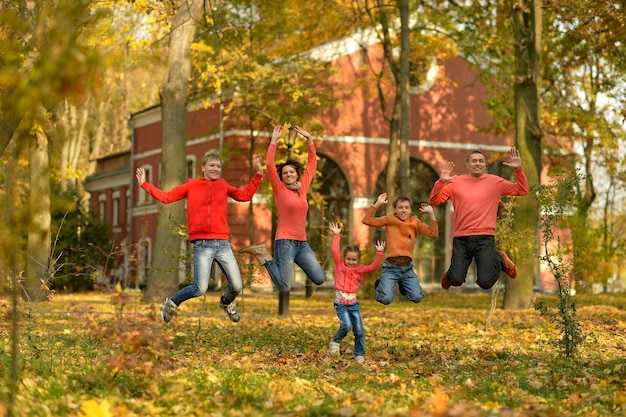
(91, 408)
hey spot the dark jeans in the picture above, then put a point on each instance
(480, 248)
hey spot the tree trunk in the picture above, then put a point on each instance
(163, 278)
(527, 27)
(405, 100)
(38, 243)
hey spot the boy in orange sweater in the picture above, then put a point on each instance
(402, 232)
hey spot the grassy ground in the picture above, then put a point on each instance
(111, 355)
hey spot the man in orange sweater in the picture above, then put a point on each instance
(402, 231)
(475, 197)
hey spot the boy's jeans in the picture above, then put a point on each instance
(204, 252)
(350, 318)
(286, 253)
(405, 277)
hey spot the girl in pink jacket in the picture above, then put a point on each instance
(348, 276)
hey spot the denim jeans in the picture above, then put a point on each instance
(405, 277)
(204, 252)
(286, 253)
(350, 318)
(480, 248)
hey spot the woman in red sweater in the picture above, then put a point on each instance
(290, 185)
(207, 212)
(348, 277)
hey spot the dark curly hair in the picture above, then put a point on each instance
(290, 161)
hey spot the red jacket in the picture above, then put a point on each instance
(207, 203)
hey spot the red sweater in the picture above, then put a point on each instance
(291, 206)
(349, 279)
(207, 203)
(476, 200)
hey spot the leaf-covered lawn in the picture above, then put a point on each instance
(86, 355)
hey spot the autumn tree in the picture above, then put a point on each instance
(410, 37)
(527, 19)
(174, 99)
(44, 60)
(585, 92)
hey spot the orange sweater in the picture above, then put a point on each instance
(401, 235)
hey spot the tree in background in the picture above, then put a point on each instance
(174, 96)
(409, 43)
(35, 77)
(45, 58)
(584, 94)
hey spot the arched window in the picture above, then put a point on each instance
(334, 190)
(429, 254)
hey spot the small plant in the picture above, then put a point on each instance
(556, 200)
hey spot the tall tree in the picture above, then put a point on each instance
(174, 99)
(527, 30)
(585, 92)
(44, 59)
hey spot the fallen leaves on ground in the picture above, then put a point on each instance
(83, 355)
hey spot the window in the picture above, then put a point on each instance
(333, 186)
(191, 166)
(144, 197)
(102, 207)
(116, 209)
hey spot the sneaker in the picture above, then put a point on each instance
(445, 284)
(333, 348)
(260, 251)
(359, 359)
(168, 310)
(510, 269)
(231, 310)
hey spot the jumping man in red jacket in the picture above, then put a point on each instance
(207, 213)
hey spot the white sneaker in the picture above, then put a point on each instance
(359, 359)
(168, 310)
(333, 347)
(231, 310)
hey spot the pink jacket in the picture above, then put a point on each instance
(349, 279)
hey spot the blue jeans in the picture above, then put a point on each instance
(204, 252)
(286, 253)
(350, 318)
(481, 248)
(405, 277)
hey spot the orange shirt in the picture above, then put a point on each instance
(401, 235)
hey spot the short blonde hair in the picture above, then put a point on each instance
(210, 156)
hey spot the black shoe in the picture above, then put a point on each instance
(376, 284)
(401, 289)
